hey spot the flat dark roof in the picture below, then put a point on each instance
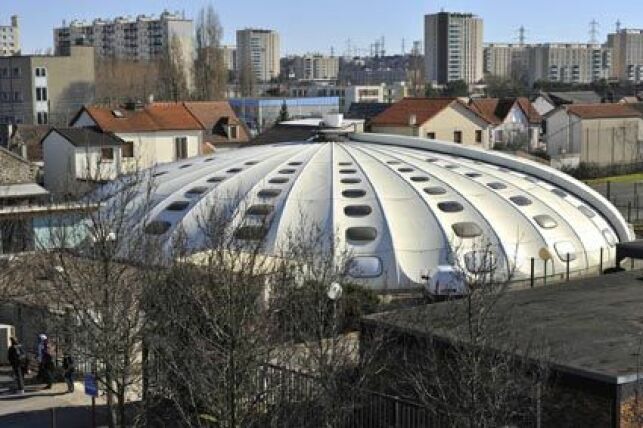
(591, 327)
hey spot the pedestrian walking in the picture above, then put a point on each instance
(69, 369)
(17, 358)
(47, 368)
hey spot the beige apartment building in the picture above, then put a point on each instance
(259, 50)
(443, 119)
(505, 60)
(453, 47)
(627, 54)
(316, 67)
(10, 38)
(46, 89)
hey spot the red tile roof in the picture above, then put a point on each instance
(398, 114)
(605, 111)
(153, 117)
(211, 113)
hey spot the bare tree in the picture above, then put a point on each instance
(173, 79)
(120, 80)
(210, 74)
(247, 77)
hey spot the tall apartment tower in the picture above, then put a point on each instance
(506, 60)
(627, 54)
(10, 38)
(453, 47)
(142, 38)
(569, 62)
(316, 67)
(260, 50)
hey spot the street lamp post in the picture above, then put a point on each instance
(334, 293)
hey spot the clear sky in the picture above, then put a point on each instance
(307, 25)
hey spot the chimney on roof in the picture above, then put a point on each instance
(412, 120)
(137, 105)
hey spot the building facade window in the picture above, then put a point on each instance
(128, 149)
(107, 154)
(16, 72)
(42, 118)
(233, 132)
(457, 137)
(430, 135)
(41, 94)
(478, 136)
(181, 147)
(41, 72)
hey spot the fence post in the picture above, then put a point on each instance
(629, 211)
(545, 272)
(533, 262)
(600, 272)
(567, 267)
(609, 190)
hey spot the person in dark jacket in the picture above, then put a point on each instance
(69, 369)
(16, 357)
(47, 367)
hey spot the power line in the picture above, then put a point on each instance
(593, 31)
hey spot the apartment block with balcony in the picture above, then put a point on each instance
(627, 54)
(316, 67)
(569, 62)
(46, 89)
(10, 38)
(453, 47)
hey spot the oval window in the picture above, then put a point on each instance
(352, 180)
(496, 185)
(364, 267)
(361, 234)
(157, 227)
(353, 193)
(450, 207)
(178, 206)
(251, 233)
(545, 221)
(436, 190)
(420, 179)
(269, 193)
(521, 201)
(260, 209)
(278, 180)
(466, 229)
(357, 210)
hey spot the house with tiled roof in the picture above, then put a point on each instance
(601, 134)
(153, 133)
(514, 121)
(221, 126)
(444, 119)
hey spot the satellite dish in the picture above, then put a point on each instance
(334, 291)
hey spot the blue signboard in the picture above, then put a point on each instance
(91, 388)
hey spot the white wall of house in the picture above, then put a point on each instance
(151, 148)
(90, 165)
(542, 106)
(559, 137)
(59, 170)
(444, 125)
(516, 123)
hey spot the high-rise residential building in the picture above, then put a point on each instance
(316, 67)
(10, 38)
(46, 89)
(259, 51)
(568, 62)
(505, 60)
(230, 57)
(627, 54)
(453, 47)
(140, 38)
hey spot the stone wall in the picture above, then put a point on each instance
(15, 170)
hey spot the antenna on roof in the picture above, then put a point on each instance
(593, 31)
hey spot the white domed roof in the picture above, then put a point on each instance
(401, 206)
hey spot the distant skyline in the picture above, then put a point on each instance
(316, 26)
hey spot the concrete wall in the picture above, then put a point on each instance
(152, 148)
(610, 141)
(59, 170)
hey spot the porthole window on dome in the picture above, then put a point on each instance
(208, 159)
(466, 229)
(431, 160)
(234, 170)
(586, 211)
(364, 267)
(565, 250)
(393, 162)
(420, 178)
(215, 179)
(251, 233)
(545, 221)
(435, 190)
(352, 180)
(250, 163)
(178, 206)
(347, 171)
(405, 169)
(451, 166)
(357, 210)
(559, 192)
(473, 174)
(260, 209)
(479, 261)
(185, 166)
(345, 163)
(496, 185)
(450, 207)
(287, 171)
(361, 234)
(297, 163)
(195, 191)
(353, 193)
(269, 193)
(157, 227)
(521, 201)
(158, 174)
(278, 180)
